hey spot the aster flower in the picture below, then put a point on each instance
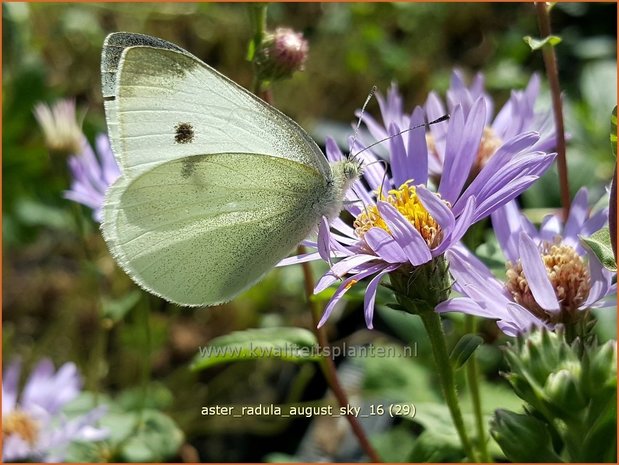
(517, 116)
(60, 127)
(551, 278)
(403, 223)
(33, 425)
(92, 174)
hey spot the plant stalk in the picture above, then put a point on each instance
(472, 378)
(434, 328)
(328, 366)
(550, 62)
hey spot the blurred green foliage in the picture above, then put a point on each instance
(59, 277)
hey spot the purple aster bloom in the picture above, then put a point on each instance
(517, 116)
(92, 174)
(33, 425)
(550, 276)
(401, 219)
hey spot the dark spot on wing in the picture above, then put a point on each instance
(184, 133)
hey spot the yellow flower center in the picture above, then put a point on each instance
(406, 201)
(20, 423)
(569, 276)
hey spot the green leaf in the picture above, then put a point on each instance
(116, 309)
(394, 445)
(291, 344)
(156, 439)
(599, 243)
(613, 132)
(464, 349)
(430, 447)
(537, 44)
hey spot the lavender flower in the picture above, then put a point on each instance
(33, 426)
(550, 278)
(60, 127)
(517, 116)
(92, 174)
(404, 222)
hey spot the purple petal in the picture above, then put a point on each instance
(509, 192)
(405, 235)
(340, 269)
(398, 156)
(370, 295)
(339, 225)
(466, 306)
(344, 287)
(417, 163)
(333, 150)
(500, 158)
(601, 280)
(550, 228)
(384, 246)
(377, 131)
(578, 214)
(324, 239)
(594, 223)
(470, 273)
(507, 227)
(434, 110)
(520, 320)
(458, 160)
(308, 257)
(437, 208)
(537, 277)
(10, 386)
(455, 136)
(461, 227)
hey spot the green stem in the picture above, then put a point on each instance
(258, 18)
(144, 321)
(434, 328)
(472, 378)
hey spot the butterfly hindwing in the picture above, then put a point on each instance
(199, 230)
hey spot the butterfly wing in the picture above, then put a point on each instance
(162, 103)
(201, 229)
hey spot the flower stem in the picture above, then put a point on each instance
(434, 328)
(472, 378)
(550, 62)
(258, 18)
(327, 365)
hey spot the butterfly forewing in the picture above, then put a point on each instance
(167, 104)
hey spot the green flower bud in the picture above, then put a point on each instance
(523, 438)
(423, 287)
(563, 395)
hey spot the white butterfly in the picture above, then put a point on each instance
(216, 187)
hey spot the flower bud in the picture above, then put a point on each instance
(523, 438)
(422, 288)
(282, 53)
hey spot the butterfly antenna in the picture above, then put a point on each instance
(437, 120)
(354, 137)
